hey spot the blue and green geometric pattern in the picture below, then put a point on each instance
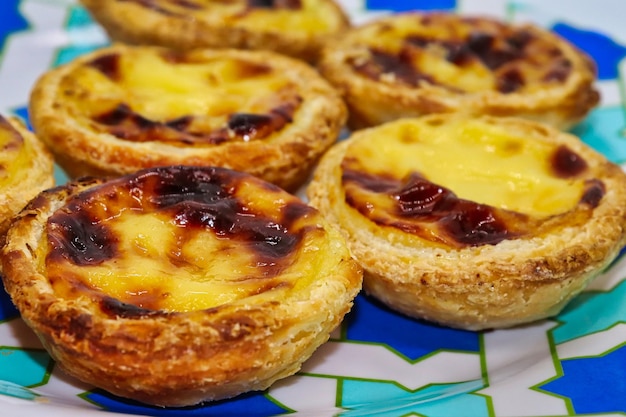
(379, 362)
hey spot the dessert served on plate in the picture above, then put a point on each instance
(413, 64)
(177, 285)
(26, 168)
(475, 223)
(124, 108)
(297, 28)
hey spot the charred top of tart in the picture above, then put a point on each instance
(464, 54)
(179, 239)
(467, 183)
(180, 98)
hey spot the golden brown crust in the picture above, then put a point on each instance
(413, 64)
(516, 280)
(175, 358)
(26, 168)
(97, 122)
(280, 28)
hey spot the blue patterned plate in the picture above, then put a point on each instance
(378, 363)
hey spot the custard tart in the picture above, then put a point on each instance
(414, 64)
(177, 285)
(473, 223)
(124, 108)
(26, 168)
(297, 28)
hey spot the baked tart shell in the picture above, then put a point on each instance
(175, 358)
(415, 64)
(508, 282)
(132, 22)
(294, 124)
(26, 168)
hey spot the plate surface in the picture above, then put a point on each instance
(378, 363)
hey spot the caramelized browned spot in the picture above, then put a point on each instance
(499, 49)
(566, 163)
(478, 45)
(275, 4)
(419, 202)
(108, 64)
(125, 123)
(437, 214)
(510, 81)
(258, 126)
(79, 237)
(400, 66)
(594, 192)
(197, 200)
(116, 308)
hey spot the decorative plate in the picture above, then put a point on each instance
(378, 363)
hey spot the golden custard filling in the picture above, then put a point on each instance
(465, 182)
(180, 98)
(185, 239)
(296, 16)
(15, 155)
(460, 53)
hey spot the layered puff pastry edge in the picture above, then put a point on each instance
(123, 108)
(26, 168)
(414, 64)
(474, 223)
(297, 28)
(178, 285)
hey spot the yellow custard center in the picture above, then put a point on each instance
(192, 255)
(162, 90)
(478, 161)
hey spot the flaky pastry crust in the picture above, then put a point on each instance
(122, 108)
(461, 271)
(296, 28)
(26, 168)
(134, 347)
(413, 64)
